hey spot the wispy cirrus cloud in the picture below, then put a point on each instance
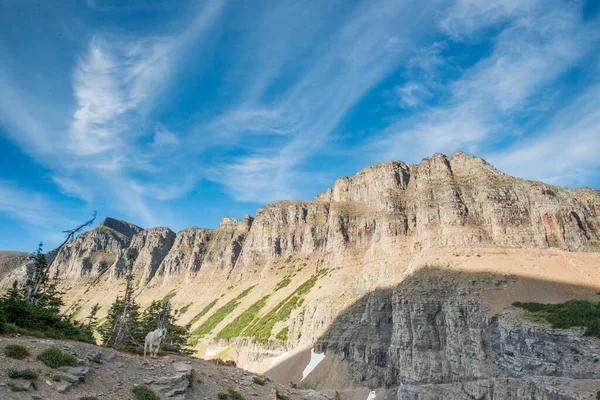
(260, 99)
(73, 187)
(116, 82)
(118, 79)
(563, 151)
(361, 48)
(466, 18)
(164, 138)
(534, 47)
(411, 94)
(44, 218)
(25, 205)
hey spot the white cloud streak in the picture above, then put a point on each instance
(533, 49)
(466, 18)
(297, 70)
(361, 49)
(567, 149)
(119, 77)
(411, 94)
(45, 218)
(115, 85)
(164, 138)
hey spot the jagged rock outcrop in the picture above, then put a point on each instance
(385, 209)
(285, 228)
(95, 252)
(226, 245)
(504, 388)
(13, 265)
(463, 201)
(187, 253)
(430, 331)
(125, 228)
(149, 247)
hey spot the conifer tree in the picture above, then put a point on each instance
(37, 280)
(47, 294)
(106, 330)
(35, 305)
(92, 318)
(159, 315)
(2, 318)
(121, 326)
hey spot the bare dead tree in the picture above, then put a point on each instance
(33, 290)
(125, 326)
(164, 315)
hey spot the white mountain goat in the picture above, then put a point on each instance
(154, 340)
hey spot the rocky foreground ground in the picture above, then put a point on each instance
(108, 374)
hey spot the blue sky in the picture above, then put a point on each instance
(175, 113)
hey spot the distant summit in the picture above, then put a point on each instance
(126, 228)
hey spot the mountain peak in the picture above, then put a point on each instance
(126, 228)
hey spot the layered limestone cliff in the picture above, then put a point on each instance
(386, 209)
(351, 262)
(431, 329)
(13, 265)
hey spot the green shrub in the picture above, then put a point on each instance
(16, 351)
(184, 309)
(55, 358)
(235, 328)
(2, 318)
(23, 373)
(280, 396)
(220, 314)
(223, 396)
(168, 296)
(226, 363)
(283, 283)
(234, 395)
(598, 395)
(15, 388)
(190, 379)
(283, 334)
(40, 322)
(260, 330)
(573, 313)
(89, 398)
(143, 392)
(203, 312)
(259, 381)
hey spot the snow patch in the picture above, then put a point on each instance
(372, 395)
(276, 359)
(210, 353)
(315, 359)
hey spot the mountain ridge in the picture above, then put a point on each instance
(443, 201)
(293, 269)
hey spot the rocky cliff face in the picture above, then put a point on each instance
(13, 264)
(386, 209)
(369, 232)
(94, 252)
(431, 330)
(463, 201)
